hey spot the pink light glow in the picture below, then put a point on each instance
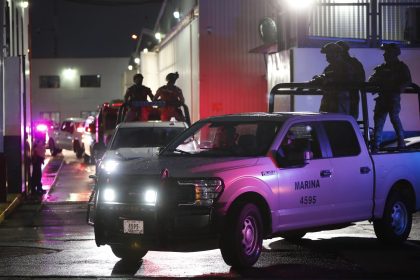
(41, 127)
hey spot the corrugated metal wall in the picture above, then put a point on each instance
(350, 19)
(231, 78)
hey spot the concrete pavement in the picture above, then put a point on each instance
(50, 170)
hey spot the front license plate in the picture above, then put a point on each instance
(133, 227)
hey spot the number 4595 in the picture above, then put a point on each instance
(311, 199)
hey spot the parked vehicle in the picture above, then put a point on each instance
(238, 179)
(133, 140)
(68, 136)
(98, 130)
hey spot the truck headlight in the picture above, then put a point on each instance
(206, 190)
(109, 195)
(109, 166)
(150, 197)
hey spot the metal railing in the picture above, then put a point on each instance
(293, 89)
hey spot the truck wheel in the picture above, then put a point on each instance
(241, 242)
(51, 145)
(395, 225)
(78, 149)
(129, 254)
(294, 236)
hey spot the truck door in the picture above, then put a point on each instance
(304, 182)
(351, 172)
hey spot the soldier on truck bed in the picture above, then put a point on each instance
(337, 72)
(137, 92)
(173, 97)
(391, 77)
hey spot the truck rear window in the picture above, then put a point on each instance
(342, 138)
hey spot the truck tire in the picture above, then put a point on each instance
(53, 150)
(78, 149)
(395, 225)
(241, 241)
(126, 253)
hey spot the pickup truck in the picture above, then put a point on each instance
(68, 136)
(235, 180)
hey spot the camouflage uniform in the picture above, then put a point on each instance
(391, 77)
(334, 100)
(173, 97)
(136, 92)
(359, 77)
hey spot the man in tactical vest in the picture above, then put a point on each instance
(173, 97)
(336, 75)
(136, 93)
(359, 77)
(391, 77)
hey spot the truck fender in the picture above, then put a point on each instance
(250, 189)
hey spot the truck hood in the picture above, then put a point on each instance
(130, 153)
(180, 166)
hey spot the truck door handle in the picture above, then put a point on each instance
(326, 173)
(364, 170)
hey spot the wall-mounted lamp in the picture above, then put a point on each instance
(130, 67)
(176, 14)
(134, 36)
(137, 60)
(299, 5)
(24, 4)
(158, 36)
(69, 73)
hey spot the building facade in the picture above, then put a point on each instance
(75, 87)
(228, 65)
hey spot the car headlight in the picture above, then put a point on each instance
(109, 195)
(150, 197)
(206, 190)
(109, 166)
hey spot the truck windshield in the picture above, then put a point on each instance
(226, 138)
(140, 137)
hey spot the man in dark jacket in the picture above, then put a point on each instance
(136, 93)
(173, 97)
(391, 77)
(359, 77)
(337, 74)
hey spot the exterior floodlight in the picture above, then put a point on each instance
(137, 60)
(130, 67)
(176, 15)
(299, 4)
(69, 73)
(134, 36)
(158, 36)
(145, 50)
(24, 4)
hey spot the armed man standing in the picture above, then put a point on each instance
(391, 77)
(336, 75)
(135, 93)
(173, 97)
(359, 77)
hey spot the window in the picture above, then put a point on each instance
(90, 81)
(49, 81)
(342, 138)
(300, 143)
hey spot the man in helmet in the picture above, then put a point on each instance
(359, 77)
(391, 77)
(135, 93)
(337, 73)
(173, 97)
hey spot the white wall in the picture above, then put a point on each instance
(70, 99)
(181, 55)
(308, 62)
